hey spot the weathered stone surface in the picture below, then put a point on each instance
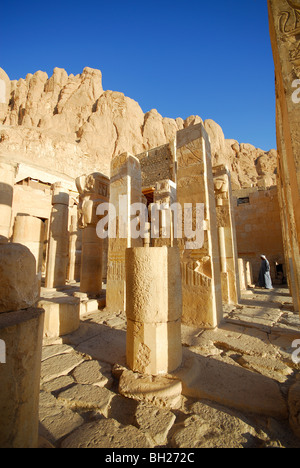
(87, 397)
(252, 236)
(58, 243)
(106, 433)
(153, 309)
(58, 383)
(62, 315)
(123, 410)
(213, 426)
(161, 391)
(126, 181)
(217, 380)
(21, 332)
(105, 344)
(155, 422)
(19, 282)
(56, 421)
(284, 35)
(58, 365)
(221, 421)
(93, 373)
(93, 191)
(55, 349)
(200, 262)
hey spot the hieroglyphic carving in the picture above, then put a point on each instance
(201, 283)
(116, 265)
(191, 275)
(289, 27)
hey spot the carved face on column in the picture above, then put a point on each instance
(93, 189)
(221, 185)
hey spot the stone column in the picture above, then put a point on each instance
(284, 21)
(72, 248)
(58, 245)
(242, 274)
(153, 309)
(249, 273)
(29, 231)
(7, 180)
(93, 190)
(227, 235)
(288, 254)
(164, 197)
(126, 183)
(21, 333)
(200, 263)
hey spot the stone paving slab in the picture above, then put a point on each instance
(213, 379)
(93, 373)
(61, 364)
(239, 384)
(106, 433)
(87, 397)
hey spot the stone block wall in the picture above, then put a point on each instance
(157, 164)
(258, 227)
(284, 28)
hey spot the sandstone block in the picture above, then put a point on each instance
(93, 373)
(56, 421)
(153, 309)
(59, 365)
(161, 391)
(19, 287)
(62, 315)
(154, 348)
(106, 433)
(153, 284)
(22, 332)
(155, 421)
(87, 397)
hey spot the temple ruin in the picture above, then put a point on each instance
(136, 276)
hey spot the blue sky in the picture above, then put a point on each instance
(192, 57)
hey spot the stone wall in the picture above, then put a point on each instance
(157, 164)
(258, 227)
(284, 20)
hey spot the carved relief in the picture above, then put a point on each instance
(192, 276)
(93, 189)
(93, 185)
(190, 154)
(289, 27)
(289, 21)
(116, 265)
(221, 187)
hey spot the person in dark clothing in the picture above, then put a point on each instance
(264, 279)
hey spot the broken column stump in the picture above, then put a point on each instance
(153, 309)
(21, 333)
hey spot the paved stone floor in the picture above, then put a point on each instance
(240, 384)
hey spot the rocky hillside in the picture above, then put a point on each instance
(69, 124)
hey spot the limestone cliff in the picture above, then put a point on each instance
(69, 124)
